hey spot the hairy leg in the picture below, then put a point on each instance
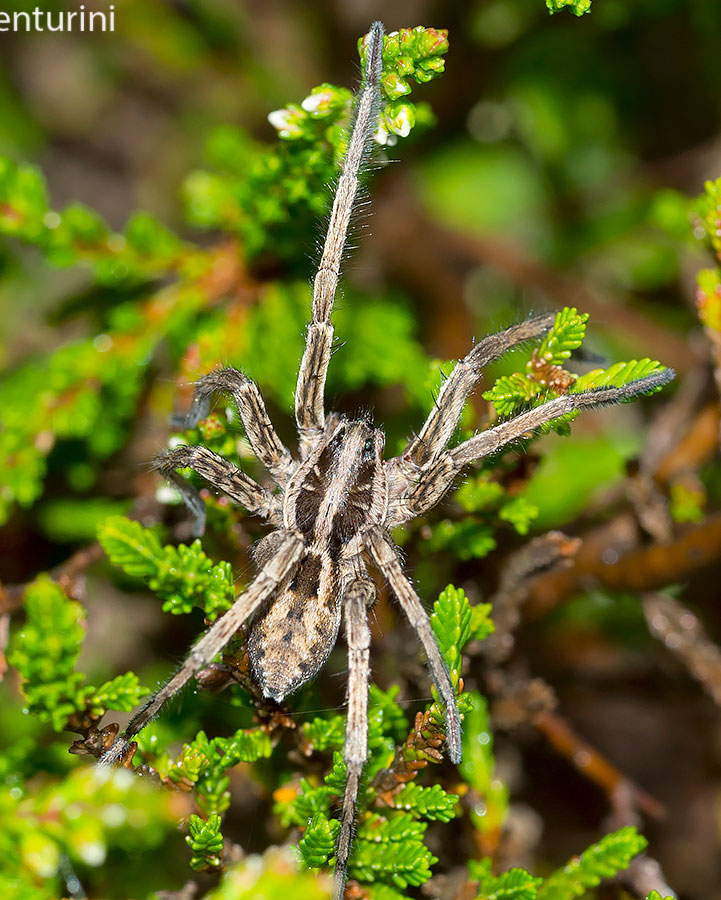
(358, 598)
(415, 496)
(384, 553)
(443, 420)
(494, 439)
(220, 474)
(264, 441)
(310, 388)
(215, 639)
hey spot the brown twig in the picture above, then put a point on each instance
(684, 635)
(4, 637)
(590, 763)
(601, 564)
(539, 554)
(423, 745)
(69, 575)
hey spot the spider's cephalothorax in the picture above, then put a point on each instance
(333, 496)
(337, 498)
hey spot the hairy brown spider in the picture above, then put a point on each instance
(338, 498)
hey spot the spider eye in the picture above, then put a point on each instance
(368, 446)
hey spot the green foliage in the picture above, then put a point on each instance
(544, 378)
(82, 819)
(432, 803)
(410, 53)
(79, 235)
(276, 874)
(577, 7)
(478, 768)
(455, 622)
(318, 843)
(708, 298)
(205, 841)
(262, 191)
(708, 210)
(183, 577)
(567, 334)
(487, 506)
(45, 653)
(515, 884)
(401, 863)
(607, 858)
(204, 764)
(617, 375)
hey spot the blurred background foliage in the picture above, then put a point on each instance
(554, 164)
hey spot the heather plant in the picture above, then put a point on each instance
(229, 796)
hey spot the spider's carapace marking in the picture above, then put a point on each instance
(337, 499)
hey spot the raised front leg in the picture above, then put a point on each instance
(414, 495)
(495, 439)
(358, 598)
(262, 437)
(222, 475)
(443, 420)
(282, 565)
(310, 388)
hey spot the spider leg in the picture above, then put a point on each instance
(215, 639)
(262, 437)
(358, 597)
(443, 419)
(310, 387)
(384, 553)
(220, 474)
(435, 480)
(494, 439)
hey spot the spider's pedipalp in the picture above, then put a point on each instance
(385, 556)
(421, 495)
(214, 640)
(310, 387)
(222, 475)
(262, 437)
(358, 597)
(494, 439)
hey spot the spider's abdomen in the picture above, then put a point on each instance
(292, 638)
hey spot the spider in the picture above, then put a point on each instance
(338, 498)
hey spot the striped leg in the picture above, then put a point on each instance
(310, 388)
(281, 566)
(385, 555)
(264, 441)
(443, 420)
(222, 475)
(358, 598)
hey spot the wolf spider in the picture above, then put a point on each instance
(338, 498)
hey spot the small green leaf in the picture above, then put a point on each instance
(318, 843)
(606, 859)
(206, 842)
(429, 802)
